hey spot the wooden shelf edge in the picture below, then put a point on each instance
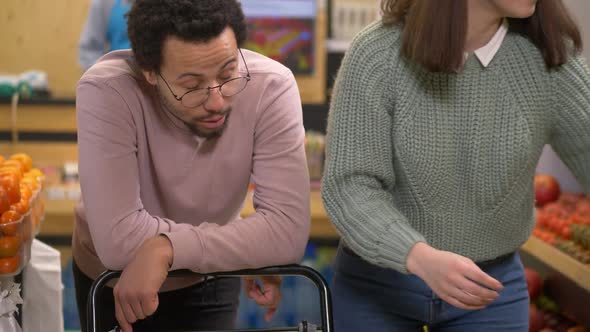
(58, 211)
(60, 207)
(568, 266)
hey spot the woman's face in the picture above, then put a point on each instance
(514, 8)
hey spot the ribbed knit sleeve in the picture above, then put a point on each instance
(359, 175)
(571, 135)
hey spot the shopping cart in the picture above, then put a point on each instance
(287, 270)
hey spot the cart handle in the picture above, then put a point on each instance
(286, 270)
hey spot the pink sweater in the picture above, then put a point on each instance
(143, 173)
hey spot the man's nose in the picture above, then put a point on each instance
(215, 102)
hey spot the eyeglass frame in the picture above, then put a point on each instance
(210, 88)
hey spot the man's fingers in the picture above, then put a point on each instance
(258, 294)
(126, 303)
(137, 310)
(249, 286)
(149, 303)
(269, 313)
(123, 324)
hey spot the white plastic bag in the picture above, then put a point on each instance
(42, 290)
(9, 299)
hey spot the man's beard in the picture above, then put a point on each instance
(213, 133)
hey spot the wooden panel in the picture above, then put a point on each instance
(43, 154)
(40, 118)
(43, 35)
(59, 217)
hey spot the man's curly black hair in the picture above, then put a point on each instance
(149, 22)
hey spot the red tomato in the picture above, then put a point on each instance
(546, 189)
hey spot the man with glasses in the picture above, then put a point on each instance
(171, 134)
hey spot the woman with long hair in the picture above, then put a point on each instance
(439, 116)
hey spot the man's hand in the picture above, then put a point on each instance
(266, 293)
(455, 279)
(136, 292)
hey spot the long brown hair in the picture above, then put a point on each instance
(435, 31)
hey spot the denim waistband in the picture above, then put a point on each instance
(486, 263)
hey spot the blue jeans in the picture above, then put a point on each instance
(370, 298)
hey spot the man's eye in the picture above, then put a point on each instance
(193, 87)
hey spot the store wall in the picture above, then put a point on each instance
(43, 35)
(581, 11)
(550, 162)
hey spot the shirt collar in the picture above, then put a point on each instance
(486, 53)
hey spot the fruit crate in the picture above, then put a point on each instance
(15, 244)
(567, 280)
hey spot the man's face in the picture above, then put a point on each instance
(190, 65)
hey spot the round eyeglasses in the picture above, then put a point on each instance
(197, 97)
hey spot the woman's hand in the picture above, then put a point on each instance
(455, 279)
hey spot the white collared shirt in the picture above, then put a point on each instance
(486, 53)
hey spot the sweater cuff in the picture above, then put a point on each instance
(187, 250)
(395, 254)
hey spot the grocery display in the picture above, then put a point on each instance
(563, 219)
(21, 211)
(544, 313)
(314, 149)
(560, 244)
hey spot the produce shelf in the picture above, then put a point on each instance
(561, 262)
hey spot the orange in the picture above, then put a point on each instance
(24, 159)
(9, 264)
(2, 159)
(14, 163)
(25, 192)
(21, 207)
(9, 245)
(11, 169)
(4, 200)
(12, 187)
(38, 175)
(32, 183)
(9, 224)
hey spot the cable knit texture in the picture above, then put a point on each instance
(447, 159)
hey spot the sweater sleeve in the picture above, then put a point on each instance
(571, 134)
(277, 233)
(359, 175)
(109, 176)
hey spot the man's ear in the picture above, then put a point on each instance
(150, 76)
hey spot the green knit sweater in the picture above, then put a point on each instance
(447, 159)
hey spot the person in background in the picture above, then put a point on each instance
(105, 30)
(171, 133)
(439, 116)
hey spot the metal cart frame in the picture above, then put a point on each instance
(327, 324)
